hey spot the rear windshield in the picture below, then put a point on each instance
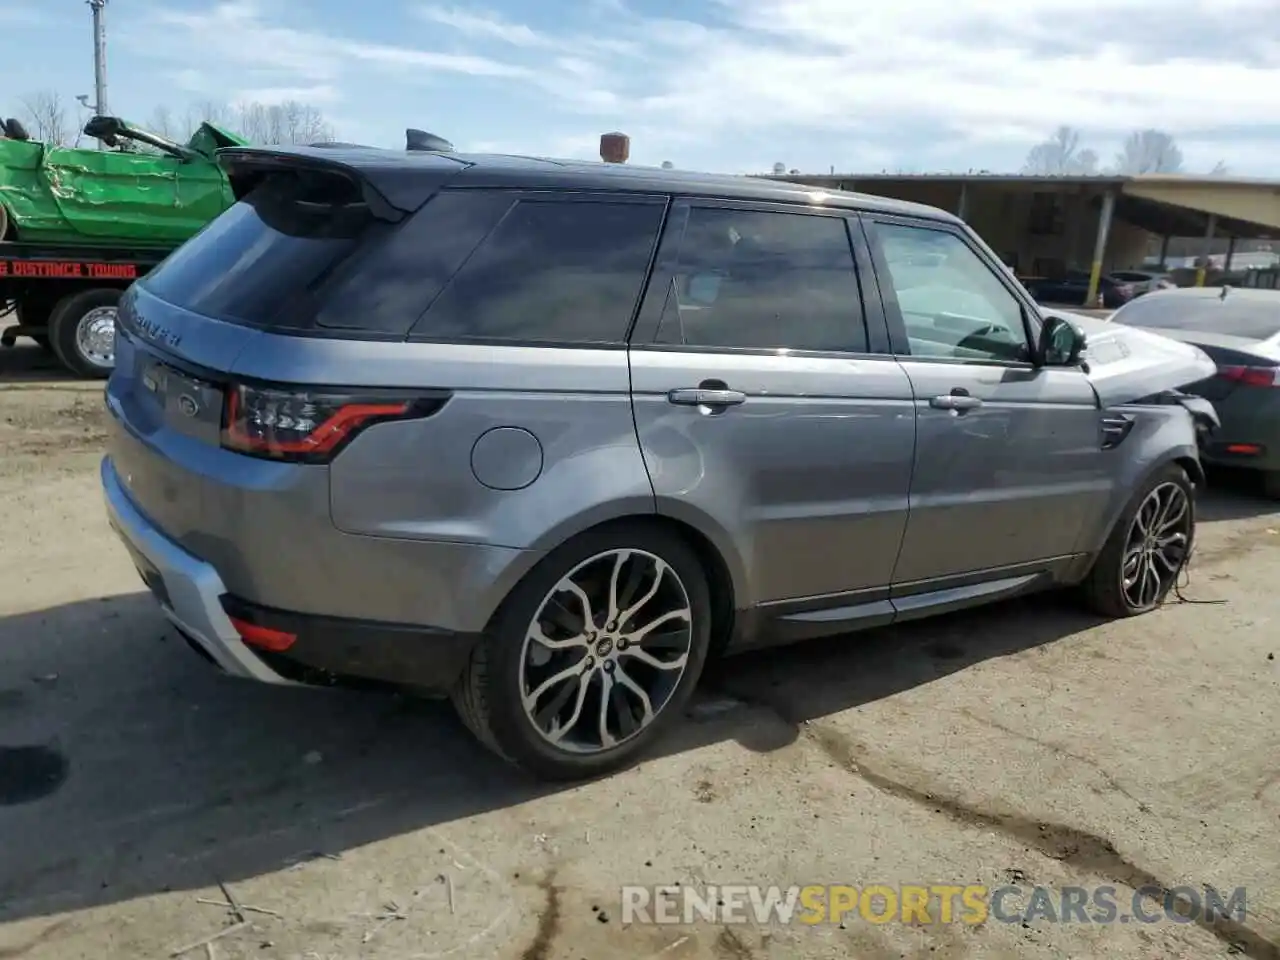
(1253, 318)
(256, 262)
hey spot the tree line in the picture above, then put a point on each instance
(50, 119)
(1143, 151)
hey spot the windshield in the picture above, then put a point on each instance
(1241, 314)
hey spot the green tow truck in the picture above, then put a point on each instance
(77, 226)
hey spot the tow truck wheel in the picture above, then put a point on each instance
(82, 330)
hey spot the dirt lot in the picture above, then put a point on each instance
(1026, 744)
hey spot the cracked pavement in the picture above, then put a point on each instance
(1027, 743)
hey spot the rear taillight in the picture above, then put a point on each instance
(1252, 376)
(306, 426)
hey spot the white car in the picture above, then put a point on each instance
(1143, 281)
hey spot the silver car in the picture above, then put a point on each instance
(544, 436)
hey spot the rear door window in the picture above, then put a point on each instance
(763, 279)
(556, 270)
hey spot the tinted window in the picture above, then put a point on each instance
(261, 259)
(388, 285)
(552, 271)
(952, 303)
(1241, 314)
(755, 279)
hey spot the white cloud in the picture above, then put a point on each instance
(239, 34)
(484, 26)
(895, 84)
(316, 95)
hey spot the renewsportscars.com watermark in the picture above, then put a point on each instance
(927, 904)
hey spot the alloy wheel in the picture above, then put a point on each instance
(1156, 546)
(605, 651)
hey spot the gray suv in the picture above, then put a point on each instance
(544, 436)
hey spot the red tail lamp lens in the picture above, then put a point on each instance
(302, 426)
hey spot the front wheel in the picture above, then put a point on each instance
(593, 655)
(1148, 548)
(82, 331)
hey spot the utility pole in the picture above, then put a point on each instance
(99, 59)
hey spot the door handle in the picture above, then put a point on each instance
(703, 397)
(952, 401)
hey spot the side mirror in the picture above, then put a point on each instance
(1061, 343)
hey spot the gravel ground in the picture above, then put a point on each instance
(1025, 744)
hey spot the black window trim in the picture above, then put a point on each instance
(653, 304)
(1031, 319)
(552, 195)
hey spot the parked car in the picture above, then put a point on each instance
(545, 436)
(51, 194)
(1073, 288)
(1239, 328)
(1143, 281)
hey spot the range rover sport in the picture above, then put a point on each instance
(544, 436)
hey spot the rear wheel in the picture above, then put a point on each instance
(1148, 548)
(593, 655)
(82, 331)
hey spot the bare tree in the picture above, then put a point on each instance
(1061, 155)
(262, 123)
(162, 122)
(207, 111)
(46, 114)
(1219, 170)
(283, 123)
(1149, 151)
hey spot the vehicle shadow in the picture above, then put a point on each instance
(129, 767)
(27, 362)
(1233, 495)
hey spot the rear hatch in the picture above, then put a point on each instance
(298, 254)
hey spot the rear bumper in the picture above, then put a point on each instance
(327, 649)
(1221, 453)
(188, 589)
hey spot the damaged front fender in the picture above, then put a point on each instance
(1129, 365)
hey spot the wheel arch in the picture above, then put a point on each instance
(1184, 457)
(725, 571)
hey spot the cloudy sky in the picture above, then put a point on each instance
(732, 85)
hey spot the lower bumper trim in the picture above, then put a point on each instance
(424, 658)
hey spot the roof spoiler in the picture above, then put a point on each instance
(247, 166)
(419, 141)
(391, 188)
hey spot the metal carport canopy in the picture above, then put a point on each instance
(1177, 205)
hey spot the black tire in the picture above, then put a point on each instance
(1103, 589)
(64, 323)
(35, 313)
(488, 694)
